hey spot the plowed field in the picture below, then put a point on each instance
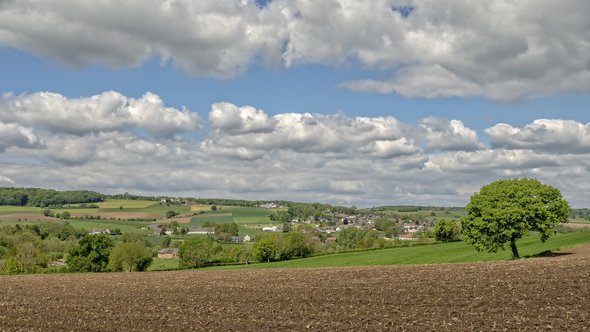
(550, 293)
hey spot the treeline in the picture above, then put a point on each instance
(415, 208)
(32, 248)
(46, 197)
(272, 247)
(580, 213)
(60, 247)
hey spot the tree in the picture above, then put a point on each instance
(130, 256)
(170, 214)
(198, 251)
(298, 245)
(91, 254)
(265, 249)
(65, 215)
(447, 231)
(505, 210)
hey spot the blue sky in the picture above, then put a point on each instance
(339, 101)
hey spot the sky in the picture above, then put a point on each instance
(335, 101)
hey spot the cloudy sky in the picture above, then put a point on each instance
(336, 101)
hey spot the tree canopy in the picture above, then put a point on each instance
(505, 210)
(91, 254)
(197, 251)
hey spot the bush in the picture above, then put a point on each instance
(447, 231)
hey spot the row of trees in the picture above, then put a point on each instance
(99, 253)
(46, 197)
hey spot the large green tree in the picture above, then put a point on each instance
(505, 210)
(91, 254)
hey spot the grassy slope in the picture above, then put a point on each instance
(438, 253)
(9, 209)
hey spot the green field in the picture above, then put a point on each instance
(9, 209)
(430, 254)
(125, 203)
(160, 264)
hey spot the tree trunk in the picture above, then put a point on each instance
(513, 247)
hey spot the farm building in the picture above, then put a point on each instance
(201, 230)
(240, 239)
(168, 253)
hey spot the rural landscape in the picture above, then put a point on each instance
(294, 165)
(276, 265)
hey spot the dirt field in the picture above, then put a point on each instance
(26, 217)
(120, 215)
(550, 293)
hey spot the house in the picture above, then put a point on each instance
(168, 253)
(240, 239)
(159, 231)
(269, 229)
(407, 238)
(201, 230)
(95, 231)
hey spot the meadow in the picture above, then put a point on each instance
(456, 252)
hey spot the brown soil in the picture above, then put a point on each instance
(26, 217)
(120, 215)
(534, 294)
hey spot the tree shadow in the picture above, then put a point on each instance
(548, 253)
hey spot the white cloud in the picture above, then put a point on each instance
(231, 119)
(449, 135)
(503, 50)
(13, 135)
(297, 156)
(104, 112)
(556, 136)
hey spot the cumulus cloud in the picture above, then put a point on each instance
(505, 51)
(309, 133)
(103, 112)
(229, 118)
(13, 135)
(297, 156)
(556, 136)
(449, 135)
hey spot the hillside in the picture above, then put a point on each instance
(548, 293)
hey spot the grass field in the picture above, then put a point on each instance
(430, 254)
(163, 264)
(9, 209)
(200, 208)
(125, 203)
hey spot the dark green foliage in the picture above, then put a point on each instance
(447, 231)
(505, 210)
(198, 251)
(46, 197)
(91, 254)
(170, 214)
